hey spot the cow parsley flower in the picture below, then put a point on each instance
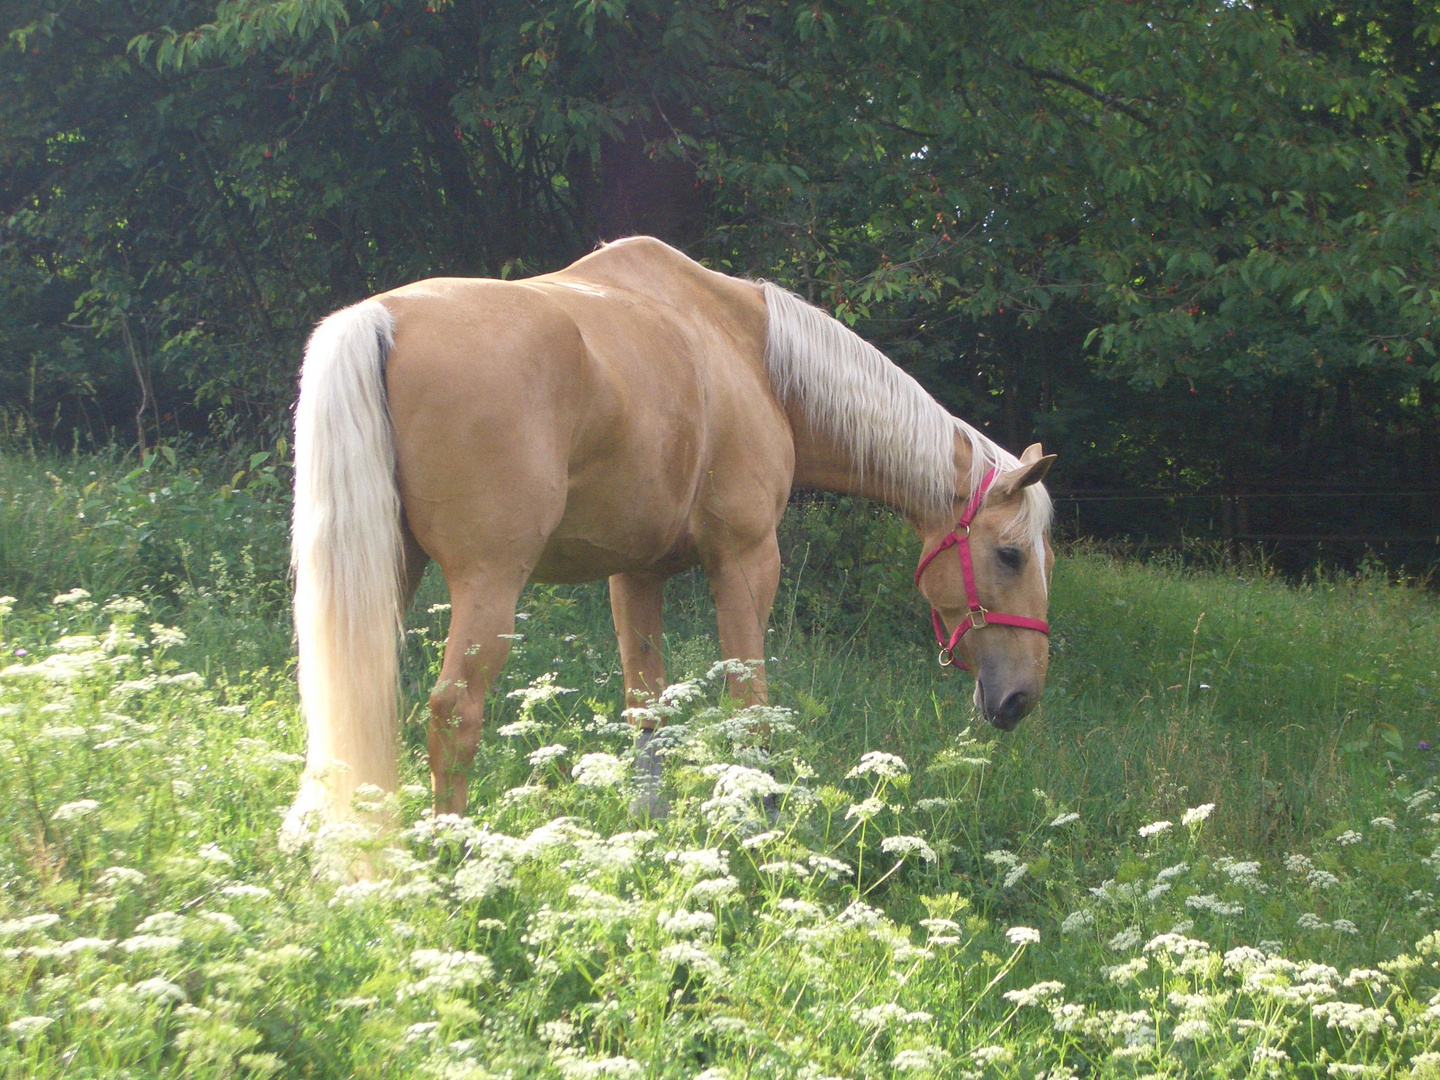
(864, 810)
(547, 754)
(27, 1026)
(878, 763)
(1155, 828)
(904, 845)
(599, 770)
(75, 811)
(1196, 814)
(1034, 994)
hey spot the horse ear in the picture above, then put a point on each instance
(1034, 464)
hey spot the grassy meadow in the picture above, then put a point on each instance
(1211, 851)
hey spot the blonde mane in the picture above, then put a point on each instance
(881, 417)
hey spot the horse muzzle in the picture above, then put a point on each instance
(1002, 702)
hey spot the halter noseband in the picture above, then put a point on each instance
(978, 618)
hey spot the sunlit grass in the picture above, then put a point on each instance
(1210, 852)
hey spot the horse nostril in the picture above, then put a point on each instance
(1016, 704)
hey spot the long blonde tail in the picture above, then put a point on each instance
(346, 557)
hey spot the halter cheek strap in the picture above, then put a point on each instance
(978, 618)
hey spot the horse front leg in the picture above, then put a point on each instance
(743, 583)
(482, 616)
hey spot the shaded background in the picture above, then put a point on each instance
(1193, 250)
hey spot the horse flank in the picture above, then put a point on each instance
(881, 417)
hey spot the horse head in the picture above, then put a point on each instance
(990, 594)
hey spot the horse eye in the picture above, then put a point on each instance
(1010, 556)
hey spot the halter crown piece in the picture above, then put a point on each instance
(978, 618)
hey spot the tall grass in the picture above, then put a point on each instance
(153, 928)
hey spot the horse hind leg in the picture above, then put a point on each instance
(482, 620)
(637, 603)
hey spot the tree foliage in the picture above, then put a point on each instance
(1181, 241)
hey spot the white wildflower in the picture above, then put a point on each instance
(27, 924)
(74, 811)
(680, 693)
(1213, 904)
(736, 668)
(357, 1002)
(714, 890)
(445, 972)
(919, 1059)
(540, 690)
(166, 636)
(831, 869)
(1128, 971)
(693, 957)
(558, 1032)
(1347, 1016)
(1197, 814)
(1321, 879)
(575, 1066)
(1022, 935)
(27, 1026)
(687, 923)
(599, 770)
(1172, 871)
(1192, 1029)
(878, 763)
(1064, 819)
(1125, 939)
(992, 1055)
(887, 1014)
(74, 596)
(213, 853)
(1348, 837)
(224, 924)
(904, 845)
(865, 809)
(1077, 920)
(701, 861)
(1155, 828)
(1383, 823)
(157, 989)
(547, 754)
(519, 729)
(244, 889)
(1034, 994)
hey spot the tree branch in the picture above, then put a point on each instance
(1110, 101)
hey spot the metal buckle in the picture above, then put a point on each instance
(946, 658)
(977, 618)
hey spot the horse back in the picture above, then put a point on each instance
(584, 422)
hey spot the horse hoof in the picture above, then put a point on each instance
(649, 801)
(772, 808)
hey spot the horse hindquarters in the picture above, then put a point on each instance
(347, 559)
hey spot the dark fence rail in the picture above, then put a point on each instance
(1297, 527)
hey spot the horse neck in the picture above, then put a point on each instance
(822, 465)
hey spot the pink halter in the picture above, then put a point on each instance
(978, 618)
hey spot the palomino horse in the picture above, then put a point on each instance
(628, 417)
